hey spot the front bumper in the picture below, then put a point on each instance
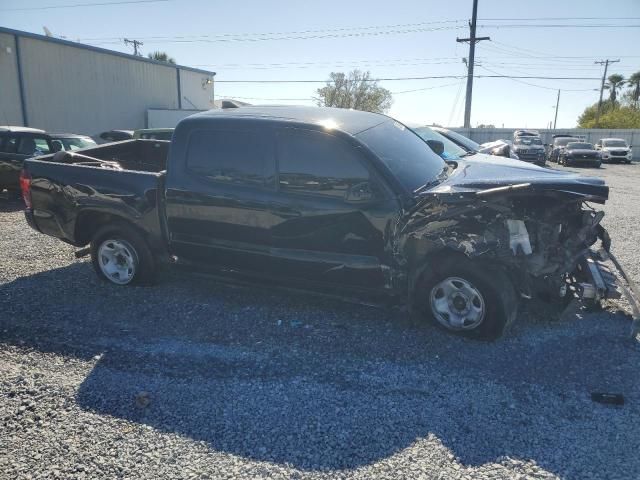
(599, 282)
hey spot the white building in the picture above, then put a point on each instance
(57, 85)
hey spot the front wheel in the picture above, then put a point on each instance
(120, 255)
(469, 298)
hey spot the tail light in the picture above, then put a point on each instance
(25, 187)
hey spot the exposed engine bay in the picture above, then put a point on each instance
(543, 240)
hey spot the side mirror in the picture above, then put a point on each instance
(437, 146)
(359, 193)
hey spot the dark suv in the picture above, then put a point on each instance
(559, 142)
(19, 143)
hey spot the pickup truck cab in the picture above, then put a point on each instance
(331, 200)
(19, 143)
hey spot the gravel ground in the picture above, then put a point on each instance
(195, 379)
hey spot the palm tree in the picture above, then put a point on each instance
(615, 82)
(161, 57)
(634, 83)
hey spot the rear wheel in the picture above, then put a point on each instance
(120, 255)
(468, 298)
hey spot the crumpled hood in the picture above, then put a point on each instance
(484, 172)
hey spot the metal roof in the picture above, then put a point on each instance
(83, 46)
(350, 121)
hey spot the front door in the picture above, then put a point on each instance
(332, 213)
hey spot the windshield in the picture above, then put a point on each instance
(614, 143)
(451, 150)
(461, 140)
(406, 155)
(528, 141)
(76, 143)
(563, 141)
(579, 146)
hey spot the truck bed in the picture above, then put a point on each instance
(138, 155)
(73, 192)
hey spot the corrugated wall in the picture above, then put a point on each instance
(10, 108)
(197, 93)
(592, 135)
(83, 91)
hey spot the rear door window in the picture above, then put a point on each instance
(33, 146)
(239, 157)
(9, 144)
(316, 163)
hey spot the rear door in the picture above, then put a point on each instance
(218, 203)
(331, 213)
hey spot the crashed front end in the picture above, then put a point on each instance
(548, 238)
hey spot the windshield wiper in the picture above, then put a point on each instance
(439, 179)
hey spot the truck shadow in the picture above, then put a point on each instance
(322, 385)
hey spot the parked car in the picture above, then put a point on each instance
(501, 149)
(558, 144)
(579, 153)
(19, 143)
(525, 133)
(614, 150)
(116, 135)
(334, 200)
(530, 149)
(154, 133)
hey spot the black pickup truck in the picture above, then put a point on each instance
(329, 200)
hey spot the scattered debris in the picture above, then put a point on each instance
(608, 398)
(143, 399)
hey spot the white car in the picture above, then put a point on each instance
(614, 150)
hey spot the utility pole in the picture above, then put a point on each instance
(472, 54)
(135, 44)
(555, 120)
(604, 76)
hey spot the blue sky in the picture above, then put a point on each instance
(400, 38)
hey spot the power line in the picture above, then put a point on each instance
(76, 5)
(559, 18)
(559, 25)
(393, 79)
(518, 79)
(294, 37)
(295, 32)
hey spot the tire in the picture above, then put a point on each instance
(121, 256)
(491, 291)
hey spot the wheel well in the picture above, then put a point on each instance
(88, 223)
(440, 260)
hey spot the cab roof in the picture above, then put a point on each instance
(346, 120)
(15, 128)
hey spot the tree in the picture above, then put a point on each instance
(161, 57)
(615, 83)
(611, 116)
(634, 83)
(356, 90)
